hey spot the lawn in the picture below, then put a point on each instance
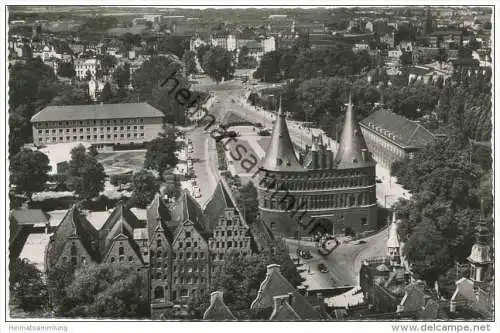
(122, 161)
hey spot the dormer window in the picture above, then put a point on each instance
(279, 161)
(288, 163)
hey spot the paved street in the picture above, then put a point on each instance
(344, 263)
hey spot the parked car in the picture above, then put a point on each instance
(322, 268)
(378, 180)
(264, 133)
(304, 254)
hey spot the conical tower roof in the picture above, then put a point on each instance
(480, 253)
(280, 155)
(352, 143)
(393, 240)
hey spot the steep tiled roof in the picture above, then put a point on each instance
(218, 310)
(402, 131)
(352, 143)
(280, 155)
(187, 209)
(221, 199)
(120, 222)
(465, 295)
(157, 213)
(74, 224)
(96, 111)
(283, 311)
(275, 284)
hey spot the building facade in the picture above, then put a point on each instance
(318, 191)
(392, 137)
(102, 125)
(177, 248)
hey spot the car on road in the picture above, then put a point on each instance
(322, 268)
(264, 132)
(304, 254)
(378, 180)
(196, 191)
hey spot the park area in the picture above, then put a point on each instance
(120, 162)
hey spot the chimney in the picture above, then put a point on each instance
(216, 295)
(321, 302)
(273, 268)
(314, 155)
(364, 154)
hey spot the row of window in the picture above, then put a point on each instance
(189, 255)
(323, 201)
(229, 244)
(314, 185)
(89, 137)
(159, 292)
(94, 129)
(50, 124)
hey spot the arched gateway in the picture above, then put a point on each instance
(321, 190)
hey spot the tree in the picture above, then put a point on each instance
(161, 154)
(88, 75)
(71, 96)
(107, 63)
(239, 277)
(106, 291)
(32, 85)
(121, 76)
(106, 93)
(269, 67)
(145, 186)
(406, 59)
(248, 202)
(154, 72)
(201, 51)
(29, 171)
(86, 174)
(189, 60)
(218, 64)
(65, 69)
(26, 286)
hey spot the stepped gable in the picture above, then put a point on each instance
(221, 199)
(121, 222)
(157, 214)
(280, 154)
(218, 310)
(352, 143)
(73, 225)
(275, 284)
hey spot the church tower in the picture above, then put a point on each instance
(480, 257)
(393, 247)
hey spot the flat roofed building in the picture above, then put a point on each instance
(105, 124)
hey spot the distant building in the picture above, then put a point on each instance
(391, 137)
(475, 293)
(383, 280)
(95, 88)
(102, 125)
(24, 221)
(82, 66)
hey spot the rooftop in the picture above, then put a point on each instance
(404, 132)
(97, 111)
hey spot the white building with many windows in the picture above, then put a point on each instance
(101, 124)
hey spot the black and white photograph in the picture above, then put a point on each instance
(262, 162)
